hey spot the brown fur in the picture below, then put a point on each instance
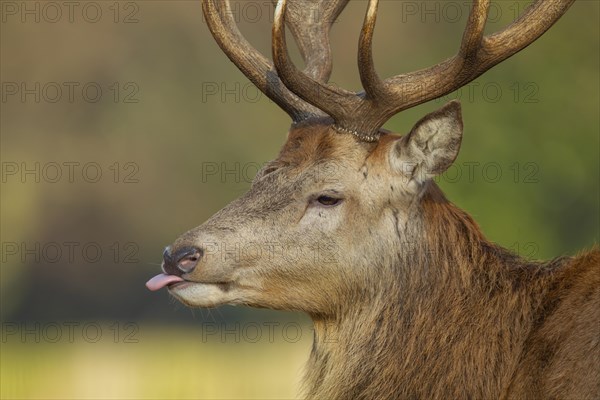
(415, 303)
(419, 304)
(470, 320)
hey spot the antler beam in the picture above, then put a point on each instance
(477, 54)
(364, 113)
(310, 22)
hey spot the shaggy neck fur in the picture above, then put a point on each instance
(455, 318)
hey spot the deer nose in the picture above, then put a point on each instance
(182, 261)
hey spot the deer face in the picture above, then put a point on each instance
(309, 228)
(345, 212)
(319, 219)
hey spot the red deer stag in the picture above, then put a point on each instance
(418, 302)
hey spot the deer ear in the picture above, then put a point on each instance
(431, 146)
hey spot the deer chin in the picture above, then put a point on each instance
(201, 294)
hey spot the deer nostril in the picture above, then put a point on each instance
(181, 261)
(187, 258)
(187, 264)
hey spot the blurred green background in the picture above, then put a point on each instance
(123, 125)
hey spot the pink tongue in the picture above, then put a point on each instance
(162, 280)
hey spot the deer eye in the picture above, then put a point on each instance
(328, 200)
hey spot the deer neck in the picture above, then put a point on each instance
(442, 323)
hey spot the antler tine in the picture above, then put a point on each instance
(534, 22)
(477, 54)
(336, 102)
(473, 35)
(407, 90)
(388, 97)
(254, 65)
(381, 91)
(371, 82)
(310, 22)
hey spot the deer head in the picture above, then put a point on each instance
(347, 225)
(322, 222)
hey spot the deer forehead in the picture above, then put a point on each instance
(325, 150)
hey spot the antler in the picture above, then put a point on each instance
(310, 22)
(362, 114)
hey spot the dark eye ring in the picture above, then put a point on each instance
(328, 200)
